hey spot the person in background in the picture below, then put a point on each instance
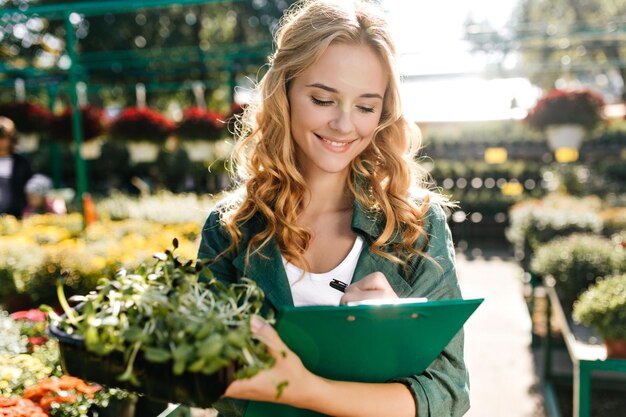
(38, 199)
(330, 189)
(15, 171)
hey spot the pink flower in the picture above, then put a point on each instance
(33, 315)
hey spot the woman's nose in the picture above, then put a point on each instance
(341, 121)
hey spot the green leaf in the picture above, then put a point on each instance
(157, 355)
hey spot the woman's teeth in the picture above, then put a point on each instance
(336, 144)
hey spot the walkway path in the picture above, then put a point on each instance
(497, 348)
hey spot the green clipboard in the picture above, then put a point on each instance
(366, 343)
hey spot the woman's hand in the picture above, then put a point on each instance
(372, 286)
(288, 372)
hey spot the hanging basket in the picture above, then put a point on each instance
(565, 136)
(91, 150)
(27, 142)
(143, 151)
(199, 150)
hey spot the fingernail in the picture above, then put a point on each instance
(255, 323)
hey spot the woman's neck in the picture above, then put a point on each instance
(327, 193)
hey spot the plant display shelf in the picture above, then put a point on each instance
(588, 360)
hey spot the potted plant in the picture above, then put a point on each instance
(603, 307)
(30, 121)
(143, 129)
(575, 262)
(535, 222)
(566, 116)
(28, 117)
(199, 129)
(94, 124)
(163, 331)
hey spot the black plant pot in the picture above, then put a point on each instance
(119, 408)
(156, 380)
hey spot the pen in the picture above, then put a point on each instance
(338, 285)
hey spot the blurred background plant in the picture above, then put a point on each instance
(577, 261)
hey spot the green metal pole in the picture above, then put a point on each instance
(232, 82)
(100, 7)
(77, 128)
(55, 148)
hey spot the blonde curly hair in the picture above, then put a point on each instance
(382, 177)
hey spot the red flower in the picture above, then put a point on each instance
(28, 117)
(37, 340)
(135, 123)
(34, 315)
(583, 107)
(199, 123)
(94, 122)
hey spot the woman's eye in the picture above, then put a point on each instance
(366, 109)
(321, 102)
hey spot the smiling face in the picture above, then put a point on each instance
(336, 105)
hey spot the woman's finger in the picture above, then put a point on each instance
(370, 282)
(269, 336)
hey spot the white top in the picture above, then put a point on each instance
(6, 166)
(313, 289)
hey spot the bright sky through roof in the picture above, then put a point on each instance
(429, 36)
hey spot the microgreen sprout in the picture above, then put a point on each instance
(171, 311)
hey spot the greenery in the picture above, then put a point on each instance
(166, 314)
(19, 372)
(162, 207)
(518, 170)
(535, 222)
(566, 40)
(558, 107)
(12, 341)
(603, 307)
(32, 381)
(613, 220)
(577, 261)
(43, 248)
(161, 47)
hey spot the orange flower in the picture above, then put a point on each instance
(54, 390)
(17, 407)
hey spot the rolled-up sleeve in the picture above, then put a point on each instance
(443, 388)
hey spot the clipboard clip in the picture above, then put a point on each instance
(387, 301)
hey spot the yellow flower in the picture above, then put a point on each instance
(98, 262)
(10, 373)
(512, 188)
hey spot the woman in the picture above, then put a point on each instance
(329, 190)
(15, 171)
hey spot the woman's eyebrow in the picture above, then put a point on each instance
(333, 90)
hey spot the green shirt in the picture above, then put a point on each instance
(442, 390)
